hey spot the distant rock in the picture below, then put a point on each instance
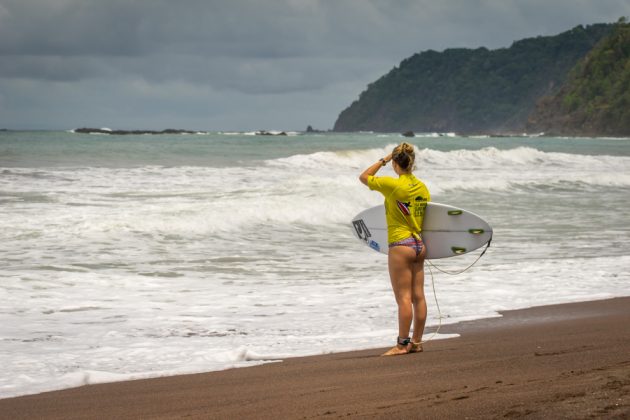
(270, 133)
(311, 130)
(408, 134)
(131, 132)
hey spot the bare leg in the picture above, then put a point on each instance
(419, 304)
(418, 299)
(400, 261)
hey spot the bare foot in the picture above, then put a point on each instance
(415, 347)
(396, 351)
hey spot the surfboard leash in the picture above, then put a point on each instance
(437, 305)
(454, 273)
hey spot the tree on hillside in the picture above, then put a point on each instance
(468, 90)
(596, 97)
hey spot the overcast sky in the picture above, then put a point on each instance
(237, 64)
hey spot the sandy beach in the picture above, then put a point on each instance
(562, 361)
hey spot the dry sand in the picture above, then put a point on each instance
(562, 361)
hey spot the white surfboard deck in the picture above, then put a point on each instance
(447, 231)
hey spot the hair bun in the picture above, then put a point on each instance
(404, 156)
(406, 148)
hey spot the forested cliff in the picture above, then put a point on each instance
(471, 91)
(595, 100)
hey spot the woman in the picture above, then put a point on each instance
(405, 202)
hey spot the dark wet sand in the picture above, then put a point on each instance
(562, 361)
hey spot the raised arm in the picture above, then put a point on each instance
(372, 170)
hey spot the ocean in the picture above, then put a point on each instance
(126, 257)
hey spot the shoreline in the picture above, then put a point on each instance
(561, 360)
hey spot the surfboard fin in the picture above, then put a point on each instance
(458, 250)
(454, 212)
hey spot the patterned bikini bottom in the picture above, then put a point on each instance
(411, 242)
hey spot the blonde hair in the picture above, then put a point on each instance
(405, 156)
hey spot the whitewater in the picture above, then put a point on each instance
(126, 257)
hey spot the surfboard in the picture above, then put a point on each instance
(447, 231)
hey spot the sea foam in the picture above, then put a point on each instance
(113, 272)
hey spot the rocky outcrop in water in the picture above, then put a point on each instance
(131, 132)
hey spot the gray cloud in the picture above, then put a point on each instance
(244, 60)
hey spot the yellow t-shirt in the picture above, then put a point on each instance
(406, 199)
